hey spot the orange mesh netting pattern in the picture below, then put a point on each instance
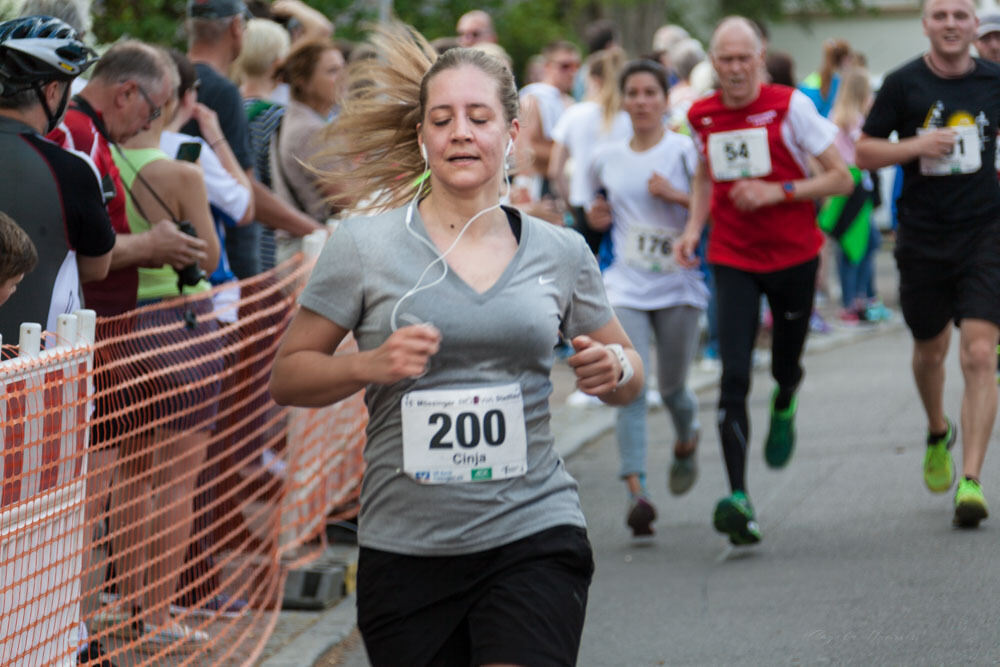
(152, 491)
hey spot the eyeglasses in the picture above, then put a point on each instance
(154, 111)
(568, 66)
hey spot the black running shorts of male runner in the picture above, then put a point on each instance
(948, 275)
(522, 603)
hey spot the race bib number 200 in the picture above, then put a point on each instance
(739, 154)
(464, 435)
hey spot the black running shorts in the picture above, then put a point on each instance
(948, 276)
(522, 603)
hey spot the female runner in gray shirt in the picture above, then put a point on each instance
(473, 544)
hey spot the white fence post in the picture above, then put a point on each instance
(86, 326)
(66, 330)
(30, 343)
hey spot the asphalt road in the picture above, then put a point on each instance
(859, 562)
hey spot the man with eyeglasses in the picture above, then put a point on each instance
(542, 104)
(549, 98)
(130, 85)
(475, 27)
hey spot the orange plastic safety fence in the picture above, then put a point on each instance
(153, 493)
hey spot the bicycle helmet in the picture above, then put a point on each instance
(38, 49)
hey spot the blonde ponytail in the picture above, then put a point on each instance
(373, 141)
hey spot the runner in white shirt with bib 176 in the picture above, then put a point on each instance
(647, 184)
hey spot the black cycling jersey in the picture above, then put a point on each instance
(55, 196)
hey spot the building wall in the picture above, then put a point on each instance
(887, 40)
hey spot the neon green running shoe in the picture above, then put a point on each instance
(734, 516)
(781, 434)
(970, 505)
(939, 468)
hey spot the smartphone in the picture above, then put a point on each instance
(189, 151)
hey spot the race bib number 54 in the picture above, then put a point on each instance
(739, 154)
(464, 435)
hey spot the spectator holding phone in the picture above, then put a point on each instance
(160, 186)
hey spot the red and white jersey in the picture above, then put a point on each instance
(78, 131)
(769, 139)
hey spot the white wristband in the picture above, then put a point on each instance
(627, 370)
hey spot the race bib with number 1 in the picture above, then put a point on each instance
(464, 435)
(965, 156)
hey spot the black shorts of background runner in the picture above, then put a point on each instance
(948, 275)
(522, 603)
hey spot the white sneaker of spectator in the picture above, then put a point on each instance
(176, 635)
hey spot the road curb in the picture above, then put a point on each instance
(330, 628)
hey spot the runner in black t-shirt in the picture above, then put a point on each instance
(945, 107)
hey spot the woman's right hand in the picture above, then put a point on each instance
(686, 249)
(405, 354)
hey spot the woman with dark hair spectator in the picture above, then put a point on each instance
(312, 70)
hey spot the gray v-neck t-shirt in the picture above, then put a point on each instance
(505, 335)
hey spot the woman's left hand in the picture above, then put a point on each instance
(597, 368)
(660, 187)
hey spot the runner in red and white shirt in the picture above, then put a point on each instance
(753, 180)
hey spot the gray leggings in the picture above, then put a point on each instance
(676, 332)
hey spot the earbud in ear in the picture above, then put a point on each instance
(423, 152)
(510, 147)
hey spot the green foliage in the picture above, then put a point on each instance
(156, 21)
(524, 26)
(766, 10)
(10, 9)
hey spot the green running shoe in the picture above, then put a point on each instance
(939, 468)
(970, 505)
(781, 434)
(735, 517)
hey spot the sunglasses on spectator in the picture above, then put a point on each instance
(154, 111)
